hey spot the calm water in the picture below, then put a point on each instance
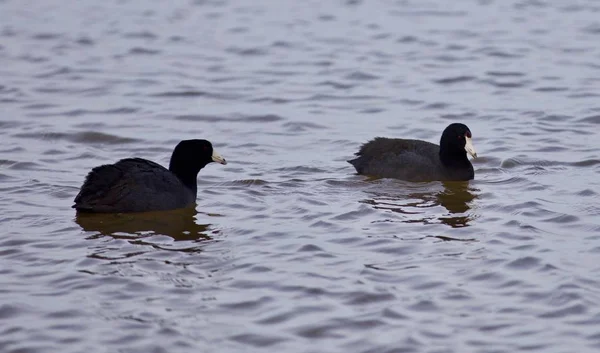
(288, 250)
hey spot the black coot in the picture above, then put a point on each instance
(416, 160)
(140, 185)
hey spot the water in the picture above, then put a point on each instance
(288, 250)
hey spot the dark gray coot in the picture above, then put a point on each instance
(140, 185)
(416, 160)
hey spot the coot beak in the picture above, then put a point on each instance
(217, 158)
(469, 147)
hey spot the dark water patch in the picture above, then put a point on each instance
(10, 100)
(300, 169)
(524, 162)
(587, 193)
(5, 177)
(583, 95)
(283, 44)
(524, 263)
(11, 311)
(46, 36)
(54, 152)
(247, 182)
(361, 76)
(516, 162)
(248, 52)
(10, 124)
(456, 47)
(548, 149)
(594, 119)
(592, 29)
(578, 131)
(60, 71)
(458, 116)
(5, 90)
(16, 165)
(373, 111)
(257, 340)
(189, 93)
(83, 112)
(144, 51)
(87, 137)
(203, 118)
(585, 163)
(574, 310)
(278, 318)
(329, 97)
(409, 102)
(86, 41)
(556, 118)
(429, 13)
(448, 58)
(506, 84)
(268, 118)
(303, 126)
(505, 73)
(246, 305)
(193, 93)
(177, 39)
(353, 215)
(455, 80)
(424, 306)
(337, 85)
(501, 54)
(40, 106)
(141, 35)
(407, 39)
(69, 313)
(551, 89)
(437, 106)
(7, 31)
(34, 58)
(562, 219)
(80, 156)
(274, 100)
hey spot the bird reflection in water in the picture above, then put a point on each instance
(178, 224)
(455, 197)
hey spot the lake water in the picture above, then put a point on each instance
(288, 250)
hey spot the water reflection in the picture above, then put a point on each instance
(178, 224)
(456, 198)
(419, 206)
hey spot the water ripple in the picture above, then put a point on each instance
(287, 248)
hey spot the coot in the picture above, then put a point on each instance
(140, 185)
(416, 160)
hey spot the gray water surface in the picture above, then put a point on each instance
(288, 250)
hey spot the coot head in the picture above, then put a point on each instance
(456, 143)
(189, 156)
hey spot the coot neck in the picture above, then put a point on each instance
(454, 159)
(187, 175)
